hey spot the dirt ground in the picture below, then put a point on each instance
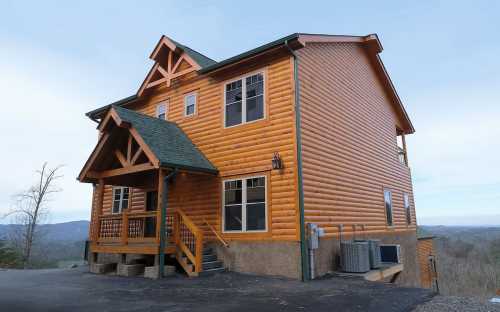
(77, 290)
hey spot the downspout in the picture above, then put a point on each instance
(303, 242)
(163, 215)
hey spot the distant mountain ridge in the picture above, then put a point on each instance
(480, 220)
(66, 231)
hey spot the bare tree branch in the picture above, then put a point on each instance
(31, 209)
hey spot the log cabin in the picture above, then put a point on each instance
(237, 157)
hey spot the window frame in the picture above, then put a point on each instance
(387, 190)
(244, 204)
(162, 104)
(407, 207)
(195, 94)
(244, 98)
(120, 205)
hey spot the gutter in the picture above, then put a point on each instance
(163, 215)
(303, 242)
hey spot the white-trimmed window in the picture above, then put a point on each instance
(244, 205)
(190, 101)
(161, 110)
(244, 100)
(120, 198)
(388, 206)
(406, 202)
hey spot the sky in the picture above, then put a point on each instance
(60, 59)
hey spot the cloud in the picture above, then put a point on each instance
(454, 153)
(42, 120)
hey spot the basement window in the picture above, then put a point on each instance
(406, 202)
(120, 198)
(388, 206)
(244, 100)
(244, 208)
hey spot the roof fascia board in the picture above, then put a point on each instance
(164, 40)
(371, 39)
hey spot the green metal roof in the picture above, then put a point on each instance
(249, 53)
(206, 64)
(167, 141)
(202, 60)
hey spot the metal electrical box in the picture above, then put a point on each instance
(314, 232)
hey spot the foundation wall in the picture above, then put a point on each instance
(327, 257)
(279, 258)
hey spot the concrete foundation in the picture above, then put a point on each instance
(102, 268)
(153, 271)
(328, 256)
(129, 269)
(279, 258)
(117, 258)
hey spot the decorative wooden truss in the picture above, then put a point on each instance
(120, 151)
(170, 62)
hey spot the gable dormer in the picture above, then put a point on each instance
(172, 60)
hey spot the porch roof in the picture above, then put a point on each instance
(167, 141)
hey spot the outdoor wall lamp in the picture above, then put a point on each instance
(277, 163)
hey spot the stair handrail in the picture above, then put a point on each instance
(197, 258)
(219, 237)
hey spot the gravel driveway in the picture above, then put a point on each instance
(76, 290)
(457, 304)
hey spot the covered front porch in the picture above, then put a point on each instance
(134, 168)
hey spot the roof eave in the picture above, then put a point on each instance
(189, 168)
(259, 50)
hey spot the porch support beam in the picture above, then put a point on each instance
(120, 171)
(163, 189)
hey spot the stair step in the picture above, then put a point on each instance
(212, 271)
(209, 257)
(207, 250)
(212, 265)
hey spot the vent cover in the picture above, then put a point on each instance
(355, 256)
(390, 253)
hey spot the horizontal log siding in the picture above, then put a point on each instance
(349, 142)
(241, 150)
(425, 249)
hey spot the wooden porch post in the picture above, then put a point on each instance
(161, 176)
(98, 211)
(124, 233)
(160, 224)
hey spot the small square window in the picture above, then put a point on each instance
(120, 199)
(161, 111)
(190, 104)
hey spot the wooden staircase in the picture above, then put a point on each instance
(193, 257)
(210, 264)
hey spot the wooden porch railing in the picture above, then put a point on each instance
(128, 227)
(141, 227)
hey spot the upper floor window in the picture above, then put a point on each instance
(120, 198)
(388, 206)
(244, 207)
(244, 100)
(190, 104)
(161, 111)
(406, 202)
